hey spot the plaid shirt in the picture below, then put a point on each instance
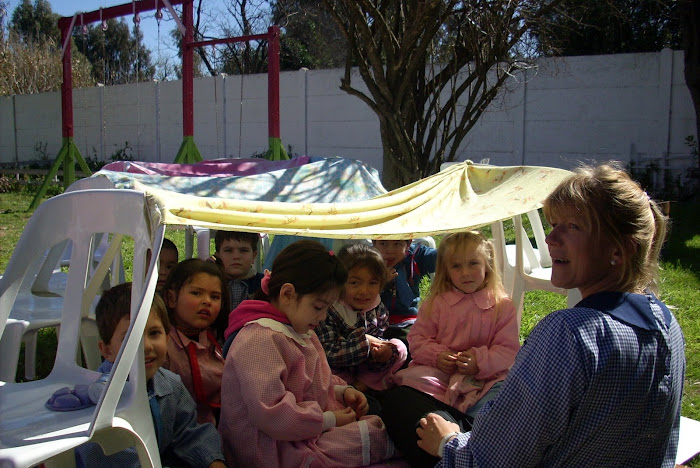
(347, 345)
(598, 386)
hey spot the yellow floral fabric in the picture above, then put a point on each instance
(462, 196)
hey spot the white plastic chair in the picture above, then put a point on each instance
(30, 433)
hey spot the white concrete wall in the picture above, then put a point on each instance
(627, 106)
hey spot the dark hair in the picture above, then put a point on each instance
(308, 266)
(251, 237)
(115, 304)
(183, 273)
(361, 255)
(169, 245)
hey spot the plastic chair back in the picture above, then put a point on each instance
(30, 433)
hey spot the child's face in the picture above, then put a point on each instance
(166, 262)
(237, 257)
(392, 251)
(307, 312)
(155, 343)
(198, 302)
(467, 269)
(361, 288)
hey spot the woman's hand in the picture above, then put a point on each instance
(431, 431)
(356, 400)
(447, 362)
(344, 416)
(466, 362)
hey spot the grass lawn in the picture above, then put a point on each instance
(680, 287)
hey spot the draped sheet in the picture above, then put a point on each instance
(463, 196)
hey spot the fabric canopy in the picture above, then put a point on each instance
(463, 196)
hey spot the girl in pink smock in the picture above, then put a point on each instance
(195, 294)
(280, 404)
(466, 336)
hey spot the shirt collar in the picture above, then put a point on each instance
(182, 341)
(483, 298)
(633, 309)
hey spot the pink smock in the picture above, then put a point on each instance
(276, 387)
(459, 322)
(201, 378)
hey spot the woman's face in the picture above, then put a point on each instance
(579, 259)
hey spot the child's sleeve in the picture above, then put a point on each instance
(344, 346)
(377, 321)
(197, 444)
(426, 258)
(499, 355)
(422, 339)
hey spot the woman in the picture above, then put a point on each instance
(599, 384)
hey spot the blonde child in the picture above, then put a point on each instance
(352, 334)
(197, 301)
(181, 440)
(280, 403)
(466, 335)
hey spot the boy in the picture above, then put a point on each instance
(235, 252)
(407, 263)
(166, 262)
(181, 441)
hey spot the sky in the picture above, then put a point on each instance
(149, 25)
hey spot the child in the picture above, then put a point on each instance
(280, 403)
(181, 440)
(166, 262)
(466, 335)
(352, 333)
(407, 264)
(196, 295)
(235, 252)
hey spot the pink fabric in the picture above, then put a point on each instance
(211, 168)
(250, 310)
(274, 394)
(211, 366)
(459, 322)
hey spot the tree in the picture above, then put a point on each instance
(611, 27)
(431, 69)
(35, 22)
(117, 54)
(310, 37)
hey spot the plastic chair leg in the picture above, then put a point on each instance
(10, 344)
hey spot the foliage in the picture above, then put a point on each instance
(612, 26)
(35, 22)
(28, 67)
(432, 68)
(310, 37)
(117, 54)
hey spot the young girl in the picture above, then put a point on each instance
(195, 293)
(352, 333)
(466, 335)
(280, 403)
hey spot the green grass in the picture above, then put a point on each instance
(680, 287)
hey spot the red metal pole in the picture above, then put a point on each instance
(273, 81)
(66, 86)
(187, 70)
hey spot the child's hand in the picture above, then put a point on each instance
(466, 362)
(356, 400)
(447, 362)
(381, 351)
(391, 273)
(344, 416)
